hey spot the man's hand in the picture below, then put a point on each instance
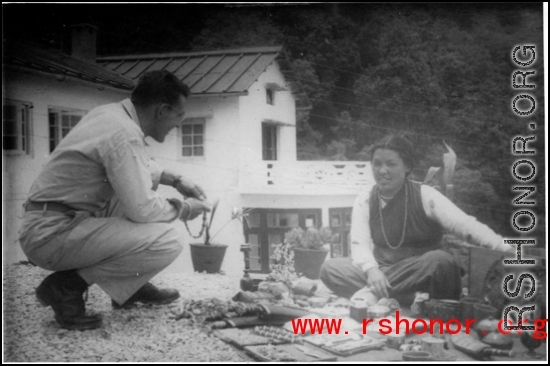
(378, 282)
(196, 207)
(189, 189)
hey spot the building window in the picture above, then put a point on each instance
(270, 96)
(266, 227)
(61, 122)
(340, 225)
(16, 120)
(269, 141)
(192, 137)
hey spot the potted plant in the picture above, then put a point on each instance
(310, 248)
(281, 271)
(208, 256)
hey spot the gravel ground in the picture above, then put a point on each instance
(145, 334)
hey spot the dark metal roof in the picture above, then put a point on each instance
(229, 72)
(55, 62)
(225, 72)
(210, 72)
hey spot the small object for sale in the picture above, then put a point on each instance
(359, 303)
(220, 324)
(304, 286)
(302, 303)
(436, 346)
(417, 356)
(465, 343)
(358, 311)
(377, 311)
(272, 353)
(418, 306)
(277, 333)
(310, 352)
(395, 340)
(391, 304)
(253, 297)
(348, 346)
(364, 296)
(485, 326)
(499, 340)
(276, 289)
(317, 302)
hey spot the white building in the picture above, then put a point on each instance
(238, 142)
(44, 94)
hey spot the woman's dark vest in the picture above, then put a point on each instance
(421, 234)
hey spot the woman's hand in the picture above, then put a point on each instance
(378, 282)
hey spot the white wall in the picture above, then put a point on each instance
(254, 109)
(20, 171)
(216, 173)
(233, 140)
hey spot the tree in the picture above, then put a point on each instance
(433, 72)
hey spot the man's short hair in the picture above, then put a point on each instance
(158, 86)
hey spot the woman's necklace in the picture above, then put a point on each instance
(202, 229)
(404, 218)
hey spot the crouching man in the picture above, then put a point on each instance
(93, 216)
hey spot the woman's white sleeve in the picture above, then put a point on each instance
(361, 240)
(455, 221)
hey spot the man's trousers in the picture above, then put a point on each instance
(118, 255)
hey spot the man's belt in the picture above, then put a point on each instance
(47, 206)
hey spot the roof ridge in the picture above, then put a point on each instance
(243, 50)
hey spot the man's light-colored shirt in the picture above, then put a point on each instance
(103, 156)
(438, 208)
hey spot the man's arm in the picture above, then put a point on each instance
(156, 172)
(192, 207)
(183, 185)
(128, 171)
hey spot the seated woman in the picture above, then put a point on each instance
(396, 231)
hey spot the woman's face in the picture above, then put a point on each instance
(389, 171)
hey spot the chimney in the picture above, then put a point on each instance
(83, 42)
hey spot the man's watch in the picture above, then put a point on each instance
(176, 180)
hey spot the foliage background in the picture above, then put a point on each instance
(435, 73)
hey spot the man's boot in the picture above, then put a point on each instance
(63, 292)
(149, 294)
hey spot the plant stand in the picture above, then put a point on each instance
(207, 258)
(308, 262)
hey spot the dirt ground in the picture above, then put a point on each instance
(145, 334)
